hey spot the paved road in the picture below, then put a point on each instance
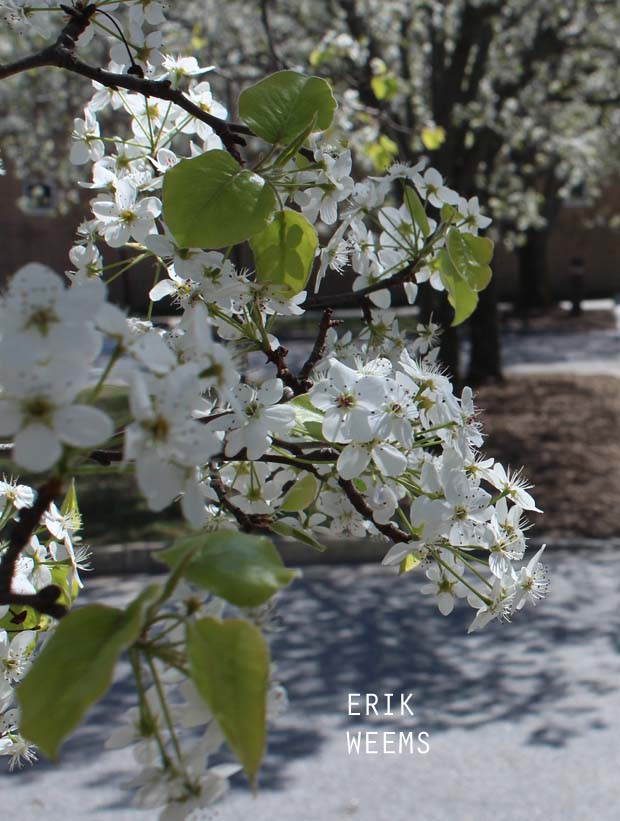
(591, 352)
(524, 719)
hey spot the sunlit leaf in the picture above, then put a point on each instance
(242, 568)
(284, 251)
(210, 201)
(280, 106)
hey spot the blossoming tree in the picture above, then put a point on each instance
(516, 102)
(366, 438)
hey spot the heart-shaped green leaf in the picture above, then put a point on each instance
(210, 201)
(460, 295)
(301, 495)
(471, 255)
(281, 106)
(284, 251)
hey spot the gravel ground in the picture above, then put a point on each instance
(524, 718)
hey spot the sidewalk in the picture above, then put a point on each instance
(524, 718)
(586, 352)
(523, 351)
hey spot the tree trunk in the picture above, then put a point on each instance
(434, 306)
(486, 355)
(449, 347)
(532, 259)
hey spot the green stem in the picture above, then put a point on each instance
(146, 716)
(166, 712)
(446, 566)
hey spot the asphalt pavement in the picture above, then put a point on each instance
(523, 719)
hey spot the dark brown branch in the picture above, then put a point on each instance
(264, 16)
(318, 351)
(106, 457)
(359, 503)
(44, 600)
(247, 522)
(319, 455)
(358, 297)
(21, 533)
(367, 311)
(278, 358)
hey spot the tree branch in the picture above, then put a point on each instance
(318, 351)
(21, 533)
(359, 297)
(61, 55)
(278, 358)
(247, 522)
(359, 503)
(264, 16)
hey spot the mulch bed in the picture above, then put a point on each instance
(565, 432)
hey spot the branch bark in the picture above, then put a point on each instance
(21, 533)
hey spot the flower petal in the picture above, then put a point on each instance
(82, 426)
(37, 448)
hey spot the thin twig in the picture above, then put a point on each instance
(278, 358)
(247, 522)
(21, 533)
(264, 16)
(318, 351)
(359, 503)
(44, 600)
(358, 297)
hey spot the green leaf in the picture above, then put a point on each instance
(279, 107)
(284, 251)
(433, 137)
(301, 495)
(25, 618)
(210, 201)
(449, 213)
(481, 249)
(416, 209)
(382, 152)
(245, 570)
(308, 417)
(75, 668)
(304, 536)
(69, 505)
(385, 86)
(408, 564)
(316, 57)
(64, 577)
(471, 255)
(229, 664)
(289, 151)
(460, 295)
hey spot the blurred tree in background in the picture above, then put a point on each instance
(513, 100)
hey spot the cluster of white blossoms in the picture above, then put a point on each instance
(48, 345)
(367, 439)
(53, 555)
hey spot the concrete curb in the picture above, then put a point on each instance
(133, 558)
